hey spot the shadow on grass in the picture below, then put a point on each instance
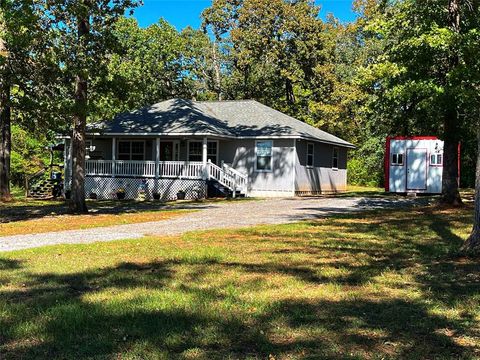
(101, 207)
(172, 308)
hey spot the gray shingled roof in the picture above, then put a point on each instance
(242, 118)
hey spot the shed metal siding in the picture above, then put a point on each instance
(398, 173)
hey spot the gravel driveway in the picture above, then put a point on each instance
(210, 216)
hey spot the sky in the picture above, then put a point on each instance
(182, 13)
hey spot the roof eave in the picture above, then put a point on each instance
(347, 145)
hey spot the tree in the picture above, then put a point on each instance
(20, 55)
(472, 244)
(5, 133)
(151, 65)
(420, 77)
(83, 42)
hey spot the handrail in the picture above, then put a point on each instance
(231, 179)
(38, 174)
(34, 176)
(235, 171)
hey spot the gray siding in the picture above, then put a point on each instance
(289, 174)
(241, 154)
(321, 177)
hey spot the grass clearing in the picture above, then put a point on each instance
(362, 286)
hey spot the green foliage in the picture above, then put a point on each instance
(28, 154)
(387, 73)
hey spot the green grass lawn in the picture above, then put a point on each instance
(374, 285)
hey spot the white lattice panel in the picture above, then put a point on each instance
(106, 187)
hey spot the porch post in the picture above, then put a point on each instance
(114, 155)
(204, 157)
(157, 157)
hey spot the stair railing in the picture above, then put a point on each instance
(34, 179)
(228, 177)
(29, 182)
(240, 178)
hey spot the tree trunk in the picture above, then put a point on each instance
(289, 95)
(450, 176)
(450, 193)
(77, 203)
(5, 143)
(472, 244)
(5, 130)
(218, 76)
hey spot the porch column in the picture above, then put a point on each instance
(157, 158)
(114, 155)
(204, 157)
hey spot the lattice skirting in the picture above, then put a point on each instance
(106, 188)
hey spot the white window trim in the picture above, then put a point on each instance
(393, 163)
(333, 157)
(271, 158)
(201, 142)
(436, 163)
(130, 141)
(175, 149)
(217, 155)
(313, 155)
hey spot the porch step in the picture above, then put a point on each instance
(215, 189)
(45, 189)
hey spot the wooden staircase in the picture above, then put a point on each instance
(42, 186)
(46, 189)
(226, 181)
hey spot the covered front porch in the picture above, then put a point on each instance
(150, 157)
(161, 165)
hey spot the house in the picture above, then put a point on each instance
(414, 164)
(237, 147)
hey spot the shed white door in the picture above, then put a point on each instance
(416, 169)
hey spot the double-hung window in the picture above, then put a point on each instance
(335, 158)
(263, 155)
(397, 159)
(310, 149)
(131, 150)
(195, 151)
(436, 159)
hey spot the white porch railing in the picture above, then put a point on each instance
(183, 169)
(228, 177)
(166, 169)
(225, 175)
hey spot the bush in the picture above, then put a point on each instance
(28, 155)
(365, 166)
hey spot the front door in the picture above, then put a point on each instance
(166, 151)
(416, 169)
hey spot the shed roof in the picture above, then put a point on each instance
(233, 119)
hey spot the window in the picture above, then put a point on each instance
(131, 150)
(212, 151)
(335, 158)
(263, 152)
(195, 151)
(397, 159)
(436, 159)
(310, 154)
